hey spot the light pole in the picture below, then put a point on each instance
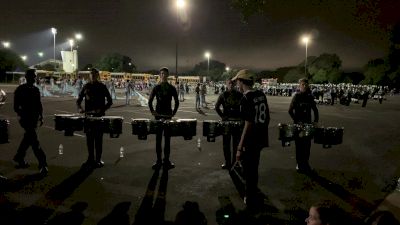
(6, 44)
(208, 55)
(305, 40)
(180, 5)
(54, 32)
(71, 44)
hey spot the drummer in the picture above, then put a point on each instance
(300, 111)
(95, 94)
(163, 92)
(230, 102)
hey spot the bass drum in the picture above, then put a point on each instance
(187, 128)
(113, 125)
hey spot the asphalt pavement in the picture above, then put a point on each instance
(360, 175)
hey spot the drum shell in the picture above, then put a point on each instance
(75, 123)
(60, 122)
(334, 135)
(328, 136)
(112, 125)
(187, 128)
(4, 132)
(172, 128)
(287, 132)
(94, 124)
(140, 126)
(212, 128)
(305, 130)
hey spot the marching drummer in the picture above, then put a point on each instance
(163, 92)
(95, 94)
(300, 111)
(230, 102)
(254, 111)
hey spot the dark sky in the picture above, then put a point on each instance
(146, 31)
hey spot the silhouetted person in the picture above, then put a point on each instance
(163, 92)
(190, 215)
(230, 102)
(118, 216)
(28, 106)
(300, 110)
(73, 217)
(254, 112)
(95, 94)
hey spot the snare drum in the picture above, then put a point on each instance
(212, 129)
(286, 133)
(113, 125)
(73, 123)
(232, 127)
(328, 136)
(141, 128)
(60, 121)
(4, 124)
(187, 128)
(93, 124)
(172, 128)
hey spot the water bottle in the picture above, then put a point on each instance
(60, 149)
(199, 144)
(121, 152)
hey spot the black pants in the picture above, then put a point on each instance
(30, 139)
(94, 139)
(230, 155)
(250, 162)
(303, 146)
(167, 143)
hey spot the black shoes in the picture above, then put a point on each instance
(157, 165)
(306, 170)
(166, 165)
(20, 164)
(99, 164)
(226, 166)
(43, 171)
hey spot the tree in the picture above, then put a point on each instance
(215, 72)
(325, 68)
(375, 70)
(10, 61)
(293, 75)
(87, 67)
(116, 62)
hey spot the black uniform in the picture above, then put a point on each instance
(300, 111)
(28, 106)
(163, 92)
(230, 101)
(254, 109)
(95, 94)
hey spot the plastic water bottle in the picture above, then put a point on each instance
(121, 152)
(199, 144)
(60, 149)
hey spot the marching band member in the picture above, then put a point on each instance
(230, 102)
(163, 92)
(300, 111)
(95, 94)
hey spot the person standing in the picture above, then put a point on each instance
(198, 102)
(163, 92)
(254, 112)
(230, 102)
(28, 106)
(300, 111)
(95, 94)
(203, 93)
(128, 92)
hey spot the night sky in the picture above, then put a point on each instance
(146, 31)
